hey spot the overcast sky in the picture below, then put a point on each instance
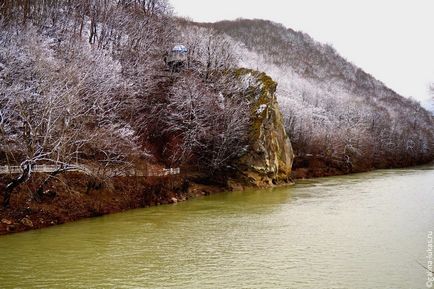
(392, 40)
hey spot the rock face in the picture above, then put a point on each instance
(269, 158)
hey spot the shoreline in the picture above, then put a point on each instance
(136, 193)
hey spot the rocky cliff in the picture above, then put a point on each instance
(269, 158)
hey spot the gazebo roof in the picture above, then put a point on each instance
(179, 48)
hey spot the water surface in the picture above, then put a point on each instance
(360, 231)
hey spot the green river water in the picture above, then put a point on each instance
(359, 231)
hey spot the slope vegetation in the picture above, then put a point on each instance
(340, 118)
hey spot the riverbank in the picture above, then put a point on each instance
(77, 196)
(309, 167)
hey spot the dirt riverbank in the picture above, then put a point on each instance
(75, 197)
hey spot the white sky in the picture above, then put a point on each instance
(392, 40)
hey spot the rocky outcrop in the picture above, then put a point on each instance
(269, 158)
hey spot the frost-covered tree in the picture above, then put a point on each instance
(211, 128)
(210, 52)
(55, 110)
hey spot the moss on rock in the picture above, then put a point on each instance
(268, 160)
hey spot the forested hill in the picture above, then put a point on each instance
(339, 117)
(109, 55)
(107, 88)
(307, 57)
(105, 92)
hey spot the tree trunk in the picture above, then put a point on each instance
(15, 183)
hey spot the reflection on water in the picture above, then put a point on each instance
(359, 231)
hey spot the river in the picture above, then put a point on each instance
(362, 231)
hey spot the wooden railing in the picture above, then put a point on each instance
(164, 172)
(154, 172)
(39, 169)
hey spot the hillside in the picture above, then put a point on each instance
(107, 94)
(92, 112)
(340, 118)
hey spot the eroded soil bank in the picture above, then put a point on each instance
(76, 197)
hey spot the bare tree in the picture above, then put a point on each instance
(210, 52)
(212, 127)
(57, 111)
